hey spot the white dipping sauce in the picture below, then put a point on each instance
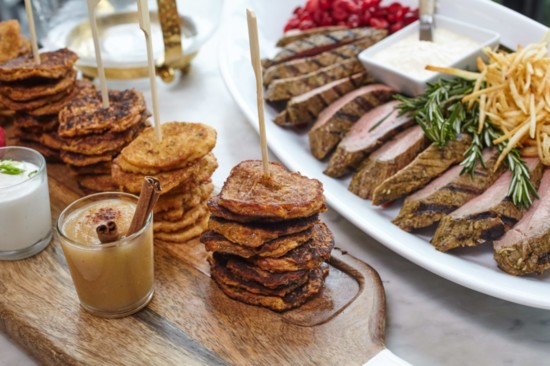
(410, 55)
(25, 216)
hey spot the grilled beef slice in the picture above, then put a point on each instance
(295, 34)
(485, 218)
(374, 128)
(284, 89)
(335, 121)
(388, 160)
(447, 193)
(316, 44)
(310, 64)
(526, 247)
(429, 164)
(303, 109)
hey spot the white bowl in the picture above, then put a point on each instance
(411, 84)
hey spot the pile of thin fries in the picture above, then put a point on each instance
(513, 91)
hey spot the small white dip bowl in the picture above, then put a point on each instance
(414, 85)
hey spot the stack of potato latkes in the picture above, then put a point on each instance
(36, 93)
(184, 164)
(91, 135)
(12, 44)
(268, 244)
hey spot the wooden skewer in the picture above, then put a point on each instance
(145, 25)
(34, 42)
(256, 64)
(92, 4)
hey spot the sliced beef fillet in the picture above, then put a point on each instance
(307, 65)
(295, 34)
(303, 109)
(485, 218)
(316, 44)
(369, 132)
(335, 121)
(283, 89)
(447, 193)
(526, 247)
(388, 160)
(428, 165)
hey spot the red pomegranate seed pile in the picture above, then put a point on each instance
(351, 13)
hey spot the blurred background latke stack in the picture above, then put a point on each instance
(184, 163)
(12, 44)
(35, 93)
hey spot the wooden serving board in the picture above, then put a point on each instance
(189, 321)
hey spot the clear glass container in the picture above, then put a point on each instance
(65, 23)
(114, 279)
(25, 216)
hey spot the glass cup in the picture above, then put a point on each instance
(25, 217)
(115, 279)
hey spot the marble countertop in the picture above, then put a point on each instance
(430, 321)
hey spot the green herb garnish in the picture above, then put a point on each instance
(442, 116)
(33, 173)
(10, 167)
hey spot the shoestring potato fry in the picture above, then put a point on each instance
(513, 91)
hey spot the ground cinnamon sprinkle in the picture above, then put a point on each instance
(104, 214)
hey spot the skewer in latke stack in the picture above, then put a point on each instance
(268, 245)
(35, 93)
(184, 163)
(92, 135)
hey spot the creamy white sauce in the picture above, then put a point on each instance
(410, 55)
(25, 216)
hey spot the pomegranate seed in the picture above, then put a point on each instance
(306, 24)
(306, 16)
(380, 13)
(298, 11)
(341, 23)
(312, 5)
(326, 20)
(391, 18)
(324, 4)
(393, 7)
(366, 17)
(399, 15)
(293, 23)
(351, 7)
(2, 137)
(317, 16)
(372, 2)
(339, 14)
(353, 21)
(378, 23)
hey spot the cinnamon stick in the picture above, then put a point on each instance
(150, 192)
(108, 232)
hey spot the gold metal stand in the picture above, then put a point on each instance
(172, 25)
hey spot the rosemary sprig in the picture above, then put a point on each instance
(442, 115)
(521, 190)
(439, 111)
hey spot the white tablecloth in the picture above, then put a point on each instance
(430, 321)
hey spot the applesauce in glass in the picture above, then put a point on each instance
(111, 279)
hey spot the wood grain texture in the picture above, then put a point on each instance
(189, 321)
